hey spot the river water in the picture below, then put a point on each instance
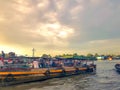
(106, 78)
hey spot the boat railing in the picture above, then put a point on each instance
(15, 67)
(26, 67)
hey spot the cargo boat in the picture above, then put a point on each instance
(11, 75)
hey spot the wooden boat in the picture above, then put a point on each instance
(10, 76)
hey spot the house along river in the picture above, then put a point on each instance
(106, 78)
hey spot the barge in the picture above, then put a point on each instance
(10, 75)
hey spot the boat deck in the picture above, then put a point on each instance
(27, 75)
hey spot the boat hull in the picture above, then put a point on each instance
(17, 77)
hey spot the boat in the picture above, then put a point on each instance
(15, 74)
(117, 67)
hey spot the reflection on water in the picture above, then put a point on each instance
(106, 78)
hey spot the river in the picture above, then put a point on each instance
(106, 78)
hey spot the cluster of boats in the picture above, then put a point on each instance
(15, 74)
(10, 75)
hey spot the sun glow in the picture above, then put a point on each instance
(63, 34)
(54, 30)
(54, 26)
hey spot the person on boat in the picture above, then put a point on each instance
(30, 64)
(54, 64)
(35, 64)
(1, 62)
(3, 54)
(51, 62)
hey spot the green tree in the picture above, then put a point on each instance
(75, 54)
(90, 55)
(46, 56)
(96, 55)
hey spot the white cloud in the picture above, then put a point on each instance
(55, 33)
(42, 4)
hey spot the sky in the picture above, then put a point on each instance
(60, 26)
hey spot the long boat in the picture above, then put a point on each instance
(11, 76)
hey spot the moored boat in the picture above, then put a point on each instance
(10, 75)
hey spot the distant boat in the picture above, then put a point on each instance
(117, 67)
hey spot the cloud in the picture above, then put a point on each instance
(59, 24)
(54, 34)
(29, 25)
